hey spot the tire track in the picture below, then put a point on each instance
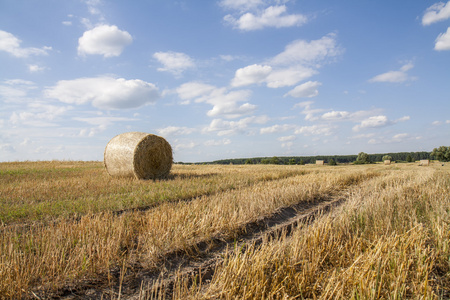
(201, 259)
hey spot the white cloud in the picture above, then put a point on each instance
(304, 52)
(277, 128)
(250, 75)
(395, 76)
(443, 41)
(305, 90)
(377, 122)
(222, 142)
(289, 76)
(224, 127)
(104, 92)
(286, 138)
(38, 114)
(272, 16)
(398, 138)
(174, 130)
(308, 111)
(189, 145)
(336, 115)
(225, 103)
(174, 62)
(437, 12)
(16, 90)
(373, 122)
(104, 40)
(314, 130)
(11, 44)
(191, 90)
(35, 68)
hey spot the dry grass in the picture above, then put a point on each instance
(389, 240)
(44, 190)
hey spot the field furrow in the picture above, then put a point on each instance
(67, 254)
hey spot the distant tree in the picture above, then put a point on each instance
(249, 162)
(409, 158)
(301, 162)
(275, 160)
(363, 158)
(386, 157)
(292, 161)
(442, 153)
(332, 162)
(265, 161)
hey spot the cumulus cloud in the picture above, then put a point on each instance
(104, 40)
(443, 41)
(320, 129)
(222, 142)
(35, 68)
(336, 115)
(104, 92)
(305, 90)
(289, 76)
(11, 44)
(225, 103)
(224, 127)
(191, 90)
(286, 138)
(174, 62)
(272, 16)
(174, 130)
(250, 75)
(395, 76)
(299, 61)
(38, 114)
(437, 12)
(377, 122)
(308, 53)
(277, 128)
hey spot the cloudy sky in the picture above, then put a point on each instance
(224, 79)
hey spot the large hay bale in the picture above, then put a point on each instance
(138, 154)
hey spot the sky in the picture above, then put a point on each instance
(224, 79)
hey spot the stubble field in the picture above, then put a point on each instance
(68, 230)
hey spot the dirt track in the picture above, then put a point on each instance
(201, 259)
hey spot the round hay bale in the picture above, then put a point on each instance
(138, 154)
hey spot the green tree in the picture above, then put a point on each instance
(301, 162)
(265, 161)
(409, 158)
(249, 162)
(275, 160)
(442, 153)
(386, 157)
(292, 161)
(363, 158)
(332, 162)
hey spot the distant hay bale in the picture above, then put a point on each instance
(320, 162)
(387, 162)
(424, 162)
(138, 154)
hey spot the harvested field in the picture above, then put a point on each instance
(261, 231)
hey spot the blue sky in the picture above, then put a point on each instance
(223, 79)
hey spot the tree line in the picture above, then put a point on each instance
(328, 159)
